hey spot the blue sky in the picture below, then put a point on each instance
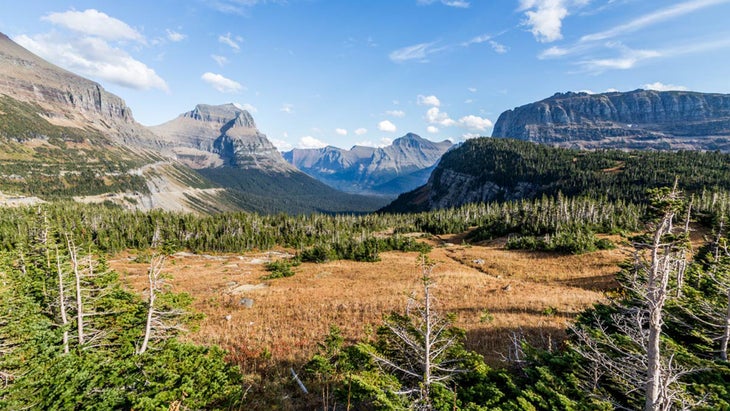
(345, 72)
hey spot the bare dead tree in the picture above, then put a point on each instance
(421, 342)
(62, 302)
(162, 321)
(629, 351)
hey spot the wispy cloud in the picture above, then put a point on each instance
(361, 131)
(627, 59)
(175, 36)
(237, 6)
(656, 17)
(419, 52)
(341, 131)
(451, 3)
(246, 106)
(231, 41)
(221, 60)
(396, 113)
(287, 108)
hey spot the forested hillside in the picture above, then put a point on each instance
(490, 169)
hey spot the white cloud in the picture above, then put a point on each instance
(222, 84)
(230, 41)
(221, 60)
(247, 107)
(360, 131)
(472, 89)
(451, 3)
(477, 40)
(311, 142)
(435, 116)
(94, 57)
(341, 131)
(611, 90)
(287, 108)
(396, 113)
(384, 142)
(95, 23)
(281, 145)
(472, 122)
(467, 136)
(387, 126)
(498, 47)
(658, 86)
(432, 100)
(175, 36)
(658, 16)
(545, 18)
(432, 129)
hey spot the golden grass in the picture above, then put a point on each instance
(492, 291)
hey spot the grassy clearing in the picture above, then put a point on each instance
(493, 293)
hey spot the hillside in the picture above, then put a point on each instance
(639, 119)
(488, 169)
(63, 136)
(387, 171)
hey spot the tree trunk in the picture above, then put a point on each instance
(726, 335)
(79, 301)
(62, 303)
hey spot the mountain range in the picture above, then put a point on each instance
(388, 171)
(64, 136)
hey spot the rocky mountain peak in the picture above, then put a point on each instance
(222, 114)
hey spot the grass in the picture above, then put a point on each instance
(528, 293)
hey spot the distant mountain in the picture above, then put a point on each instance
(223, 144)
(639, 119)
(64, 136)
(386, 171)
(498, 169)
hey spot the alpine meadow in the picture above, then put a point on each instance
(371, 251)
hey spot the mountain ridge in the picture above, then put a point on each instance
(638, 119)
(385, 171)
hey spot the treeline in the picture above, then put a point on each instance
(358, 237)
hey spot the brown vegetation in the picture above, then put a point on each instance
(493, 293)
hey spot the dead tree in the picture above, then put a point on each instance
(628, 349)
(421, 343)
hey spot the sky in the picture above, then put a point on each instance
(347, 72)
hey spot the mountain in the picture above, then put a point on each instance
(639, 119)
(64, 136)
(223, 144)
(498, 169)
(387, 171)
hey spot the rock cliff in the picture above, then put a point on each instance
(386, 170)
(639, 119)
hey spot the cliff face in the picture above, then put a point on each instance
(640, 119)
(215, 136)
(67, 99)
(385, 171)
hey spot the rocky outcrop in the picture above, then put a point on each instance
(216, 136)
(640, 119)
(367, 170)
